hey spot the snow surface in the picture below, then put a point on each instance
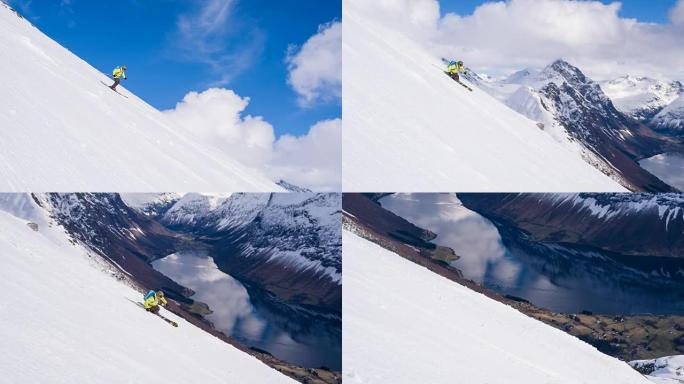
(408, 127)
(666, 370)
(405, 324)
(63, 130)
(64, 320)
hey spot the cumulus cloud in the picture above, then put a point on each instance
(212, 35)
(216, 117)
(315, 69)
(501, 37)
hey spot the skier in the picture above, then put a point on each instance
(118, 73)
(454, 68)
(152, 301)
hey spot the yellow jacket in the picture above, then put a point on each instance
(455, 68)
(153, 302)
(119, 72)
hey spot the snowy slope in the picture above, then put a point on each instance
(664, 370)
(64, 320)
(64, 130)
(405, 324)
(408, 127)
(641, 97)
(672, 116)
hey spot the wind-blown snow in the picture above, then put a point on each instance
(62, 129)
(408, 127)
(64, 320)
(405, 324)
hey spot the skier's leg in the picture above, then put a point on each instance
(116, 83)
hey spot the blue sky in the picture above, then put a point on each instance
(654, 11)
(143, 35)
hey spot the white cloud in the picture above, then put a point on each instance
(313, 160)
(212, 35)
(215, 117)
(501, 37)
(677, 13)
(315, 69)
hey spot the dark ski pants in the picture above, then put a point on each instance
(154, 309)
(117, 81)
(454, 76)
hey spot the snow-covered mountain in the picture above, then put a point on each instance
(671, 118)
(636, 224)
(151, 204)
(578, 115)
(641, 98)
(290, 242)
(67, 317)
(407, 126)
(285, 243)
(76, 134)
(664, 370)
(428, 329)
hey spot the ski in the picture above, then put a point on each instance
(466, 87)
(114, 90)
(141, 305)
(168, 320)
(458, 81)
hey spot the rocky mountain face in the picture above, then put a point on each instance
(106, 225)
(590, 118)
(575, 110)
(637, 225)
(288, 243)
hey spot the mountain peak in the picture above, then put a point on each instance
(565, 71)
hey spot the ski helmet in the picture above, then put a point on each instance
(160, 293)
(123, 67)
(460, 62)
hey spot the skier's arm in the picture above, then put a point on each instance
(163, 301)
